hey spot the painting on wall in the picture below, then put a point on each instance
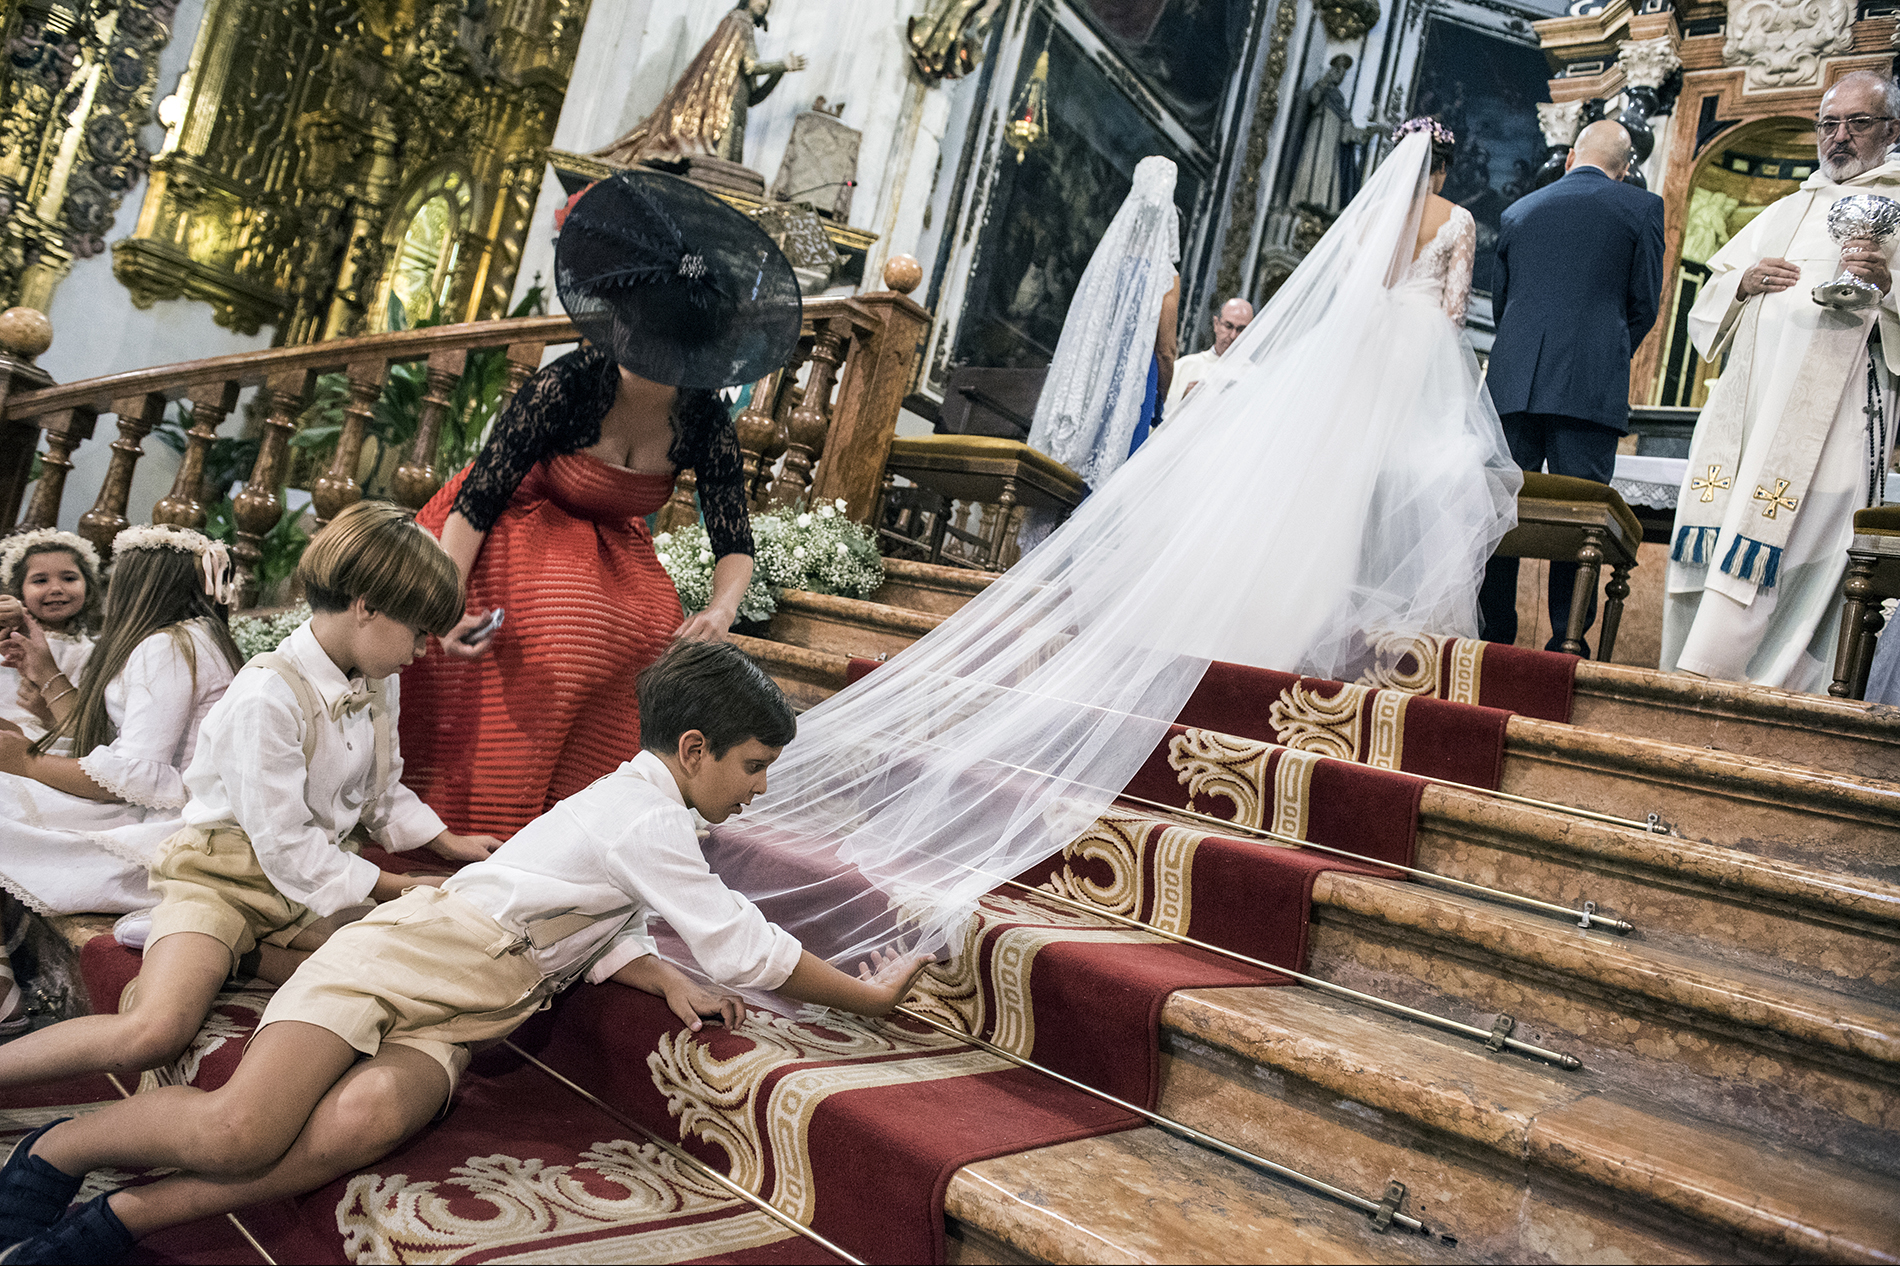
(1049, 211)
(1185, 51)
(1484, 88)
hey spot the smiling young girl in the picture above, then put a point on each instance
(53, 578)
(299, 750)
(81, 805)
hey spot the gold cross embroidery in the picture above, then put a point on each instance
(1777, 499)
(1709, 485)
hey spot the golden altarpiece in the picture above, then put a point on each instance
(318, 160)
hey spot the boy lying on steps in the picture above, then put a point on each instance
(418, 980)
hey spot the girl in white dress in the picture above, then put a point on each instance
(48, 579)
(77, 832)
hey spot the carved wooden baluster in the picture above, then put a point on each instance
(260, 505)
(756, 429)
(185, 503)
(417, 479)
(137, 416)
(788, 396)
(811, 418)
(336, 489)
(682, 508)
(65, 431)
(523, 360)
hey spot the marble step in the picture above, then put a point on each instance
(930, 587)
(1843, 735)
(1148, 1196)
(1777, 1058)
(1810, 816)
(1778, 918)
(1515, 1160)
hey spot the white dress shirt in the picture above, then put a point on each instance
(249, 771)
(627, 840)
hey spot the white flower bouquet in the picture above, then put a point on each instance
(255, 634)
(819, 550)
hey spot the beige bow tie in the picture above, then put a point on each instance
(352, 703)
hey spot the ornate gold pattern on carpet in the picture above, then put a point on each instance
(1357, 723)
(1239, 771)
(632, 1188)
(1423, 664)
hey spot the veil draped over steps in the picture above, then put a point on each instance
(1341, 476)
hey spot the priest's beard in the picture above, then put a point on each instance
(1843, 163)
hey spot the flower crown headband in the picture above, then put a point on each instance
(1441, 135)
(18, 546)
(213, 556)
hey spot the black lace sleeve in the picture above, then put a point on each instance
(705, 442)
(556, 411)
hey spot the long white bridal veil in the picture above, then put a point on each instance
(1340, 478)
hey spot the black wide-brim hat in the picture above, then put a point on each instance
(678, 286)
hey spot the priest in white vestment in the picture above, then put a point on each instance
(1798, 432)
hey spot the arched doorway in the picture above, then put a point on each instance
(425, 251)
(1735, 179)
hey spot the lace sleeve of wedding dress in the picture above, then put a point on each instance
(1464, 250)
(1338, 477)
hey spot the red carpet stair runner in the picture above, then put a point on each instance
(853, 1128)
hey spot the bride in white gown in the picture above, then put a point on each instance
(1341, 476)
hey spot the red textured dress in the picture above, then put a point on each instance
(491, 743)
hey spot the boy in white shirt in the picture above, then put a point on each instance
(414, 983)
(300, 749)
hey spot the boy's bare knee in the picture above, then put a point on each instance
(237, 1138)
(152, 1041)
(376, 1116)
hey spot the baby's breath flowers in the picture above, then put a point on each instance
(255, 634)
(819, 550)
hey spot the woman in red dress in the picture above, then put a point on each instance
(548, 522)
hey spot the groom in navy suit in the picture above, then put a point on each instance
(1576, 288)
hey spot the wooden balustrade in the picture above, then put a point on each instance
(834, 429)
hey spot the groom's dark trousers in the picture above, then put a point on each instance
(1577, 285)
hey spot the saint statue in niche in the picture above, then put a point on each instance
(1327, 175)
(705, 112)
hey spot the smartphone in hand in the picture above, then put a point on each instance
(486, 629)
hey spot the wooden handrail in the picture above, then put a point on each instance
(860, 350)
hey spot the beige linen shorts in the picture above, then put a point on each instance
(428, 970)
(210, 882)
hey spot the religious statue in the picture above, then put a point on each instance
(705, 112)
(1327, 176)
(947, 42)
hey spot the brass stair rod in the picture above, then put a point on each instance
(1530, 903)
(1654, 826)
(1370, 1207)
(1569, 1063)
(693, 1162)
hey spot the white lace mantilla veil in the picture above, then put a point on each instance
(1341, 476)
(1091, 399)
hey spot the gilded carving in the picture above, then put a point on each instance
(1348, 20)
(1244, 203)
(1782, 42)
(302, 127)
(77, 87)
(947, 42)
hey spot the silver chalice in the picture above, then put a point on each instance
(1858, 215)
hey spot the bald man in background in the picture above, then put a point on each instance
(1189, 370)
(1577, 286)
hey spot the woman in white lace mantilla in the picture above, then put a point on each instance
(76, 831)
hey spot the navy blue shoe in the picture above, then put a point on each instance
(93, 1234)
(33, 1194)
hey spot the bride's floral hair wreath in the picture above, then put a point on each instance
(214, 557)
(1444, 141)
